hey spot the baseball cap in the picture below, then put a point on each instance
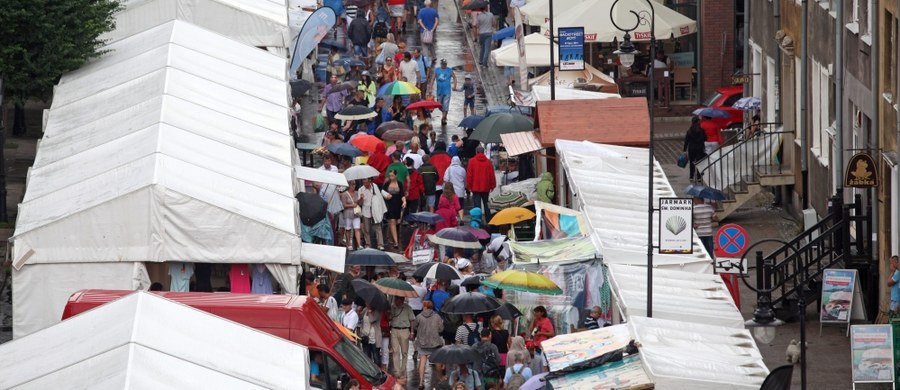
(462, 263)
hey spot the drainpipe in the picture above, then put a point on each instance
(875, 57)
(776, 13)
(838, 165)
(804, 87)
(746, 37)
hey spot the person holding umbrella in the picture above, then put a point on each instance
(713, 134)
(429, 326)
(695, 147)
(704, 216)
(373, 209)
(402, 320)
(334, 98)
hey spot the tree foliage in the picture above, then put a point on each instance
(42, 39)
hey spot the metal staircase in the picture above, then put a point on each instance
(742, 167)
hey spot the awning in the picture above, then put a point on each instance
(591, 78)
(320, 175)
(610, 121)
(537, 52)
(594, 16)
(565, 249)
(520, 143)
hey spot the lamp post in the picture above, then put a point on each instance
(626, 53)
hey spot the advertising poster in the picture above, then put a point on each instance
(871, 348)
(676, 225)
(627, 373)
(837, 295)
(570, 349)
(571, 48)
(314, 29)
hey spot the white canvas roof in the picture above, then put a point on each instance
(685, 355)
(252, 22)
(677, 295)
(170, 152)
(611, 184)
(143, 341)
(537, 52)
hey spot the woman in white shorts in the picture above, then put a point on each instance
(350, 200)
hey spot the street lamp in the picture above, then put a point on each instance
(626, 55)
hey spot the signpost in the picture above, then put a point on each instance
(571, 48)
(871, 354)
(676, 221)
(731, 241)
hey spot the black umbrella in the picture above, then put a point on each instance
(424, 217)
(489, 129)
(344, 149)
(299, 88)
(508, 312)
(472, 283)
(369, 256)
(476, 4)
(454, 354)
(470, 303)
(437, 271)
(312, 208)
(355, 112)
(341, 87)
(370, 294)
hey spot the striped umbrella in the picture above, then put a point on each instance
(395, 88)
(396, 287)
(456, 238)
(507, 199)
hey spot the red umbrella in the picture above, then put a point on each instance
(424, 104)
(365, 142)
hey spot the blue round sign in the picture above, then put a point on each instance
(731, 241)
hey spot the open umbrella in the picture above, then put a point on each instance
(424, 104)
(396, 287)
(455, 237)
(454, 354)
(398, 135)
(359, 172)
(366, 143)
(395, 88)
(749, 103)
(508, 311)
(331, 43)
(475, 4)
(472, 283)
(470, 121)
(480, 234)
(705, 192)
(344, 149)
(349, 62)
(341, 87)
(390, 125)
(711, 112)
(371, 295)
(518, 280)
(507, 199)
(470, 303)
(511, 215)
(424, 217)
(312, 208)
(354, 112)
(300, 87)
(489, 129)
(369, 256)
(437, 271)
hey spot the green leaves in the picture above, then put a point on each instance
(43, 39)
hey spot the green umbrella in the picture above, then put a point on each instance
(396, 287)
(507, 199)
(489, 129)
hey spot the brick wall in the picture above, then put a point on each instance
(716, 62)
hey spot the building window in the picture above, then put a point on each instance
(797, 93)
(772, 93)
(821, 102)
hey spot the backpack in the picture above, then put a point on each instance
(490, 361)
(380, 29)
(516, 379)
(473, 337)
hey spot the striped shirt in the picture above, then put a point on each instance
(703, 214)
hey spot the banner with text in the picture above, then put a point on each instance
(571, 48)
(676, 225)
(871, 353)
(838, 286)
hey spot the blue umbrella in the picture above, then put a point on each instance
(331, 43)
(344, 149)
(349, 62)
(705, 192)
(470, 121)
(504, 33)
(711, 112)
(424, 217)
(749, 103)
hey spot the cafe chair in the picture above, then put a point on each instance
(684, 78)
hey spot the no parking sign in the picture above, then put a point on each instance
(731, 241)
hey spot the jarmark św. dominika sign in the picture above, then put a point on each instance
(676, 225)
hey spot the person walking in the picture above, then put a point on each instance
(695, 147)
(484, 24)
(518, 352)
(371, 334)
(360, 34)
(428, 22)
(713, 134)
(349, 317)
(441, 161)
(429, 175)
(704, 215)
(409, 69)
(334, 101)
(373, 209)
(445, 83)
(449, 208)
(481, 180)
(424, 63)
(429, 326)
(456, 175)
(415, 187)
(402, 320)
(395, 195)
(500, 338)
(350, 200)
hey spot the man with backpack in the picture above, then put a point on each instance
(490, 360)
(469, 332)
(517, 374)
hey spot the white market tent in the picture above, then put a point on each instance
(537, 12)
(594, 16)
(537, 52)
(173, 146)
(677, 295)
(685, 355)
(261, 23)
(542, 93)
(144, 341)
(611, 186)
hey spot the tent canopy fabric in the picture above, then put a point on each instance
(537, 12)
(564, 249)
(594, 15)
(677, 295)
(542, 93)
(536, 52)
(252, 22)
(128, 343)
(590, 78)
(611, 183)
(207, 176)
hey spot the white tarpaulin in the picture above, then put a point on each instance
(537, 12)
(542, 93)
(262, 23)
(677, 295)
(595, 15)
(611, 186)
(143, 341)
(537, 52)
(686, 355)
(755, 152)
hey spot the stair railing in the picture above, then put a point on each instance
(739, 160)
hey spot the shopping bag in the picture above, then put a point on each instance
(683, 160)
(427, 36)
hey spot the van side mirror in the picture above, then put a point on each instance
(344, 378)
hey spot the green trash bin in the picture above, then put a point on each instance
(895, 331)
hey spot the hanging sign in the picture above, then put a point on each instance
(571, 48)
(676, 225)
(314, 29)
(861, 172)
(871, 353)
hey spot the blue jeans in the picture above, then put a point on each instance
(485, 40)
(361, 50)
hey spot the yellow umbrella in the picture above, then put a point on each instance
(347, 332)
(511, 215)
(522, 281)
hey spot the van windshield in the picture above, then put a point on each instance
(360, 362)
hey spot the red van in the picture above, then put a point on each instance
(292, 317)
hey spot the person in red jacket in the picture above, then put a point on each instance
(480, 180)
(379, 161)
(713, 134)
(441, 161)
(415, 187)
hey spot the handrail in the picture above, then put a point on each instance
(737, 161)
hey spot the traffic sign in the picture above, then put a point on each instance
(731, 241)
